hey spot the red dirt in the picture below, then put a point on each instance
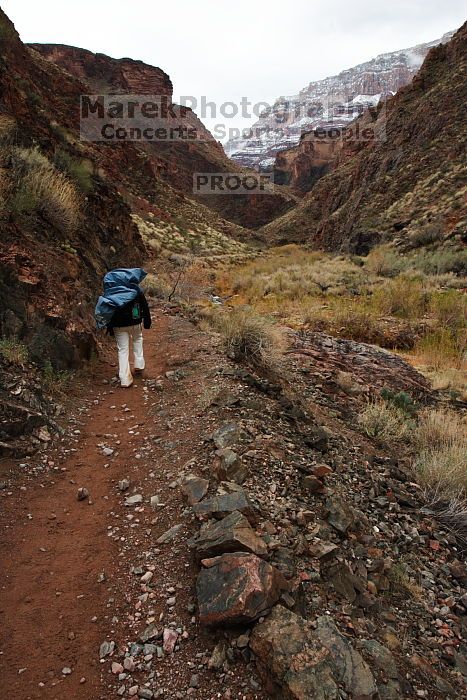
(54, 547)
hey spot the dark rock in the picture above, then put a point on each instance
(349, 667)
(226, 435)
(313, 484)
(236, 588)
(340, 514)
(317, 438)
(228, 466)
(220, 506)
(231, 534)
(194, 489)
(344, 581)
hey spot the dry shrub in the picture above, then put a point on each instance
(383, 421)
(404, 297)
(194, 282)
(449, 309)
(40, 186)
(443, 348)
(7, 128)
(250, 338)
(156, 286)
(441, 467)
(442, 470)
(437, 428)
(384, 262)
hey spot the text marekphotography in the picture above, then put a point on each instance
(130, 117)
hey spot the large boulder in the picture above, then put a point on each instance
(299, 663)
(237, 588)
(292, 663)
(231, 534)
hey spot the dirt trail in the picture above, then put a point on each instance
(68, 579)
(53, 549)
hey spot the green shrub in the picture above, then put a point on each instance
(13, 350)
(79, 170)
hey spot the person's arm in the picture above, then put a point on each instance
(146, 312)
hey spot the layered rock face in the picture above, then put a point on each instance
(50, 270)
(403, 182)
(303, 165)
(103, 73)
(334, 101)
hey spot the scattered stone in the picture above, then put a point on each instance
(194, 489)
(218, 656)
(321, 470)
(149, 633)
(236, 588)
(170, 638)
(116, 668)
(147, 577)
(105, 649)
(82, 494)
(170, 535)
(323, 550)
(145, 693)
(66, 670)
(313, 484)
(231, 534)
(129, 664)
(226, 435)
(317, 438)
(133, 500)
(340, 514)
(124, 485)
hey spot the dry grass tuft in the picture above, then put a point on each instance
(250, 338)
(383, 421)
(442, 470)
(40, 186)
(13, 350)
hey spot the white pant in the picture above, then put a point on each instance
(122, 336)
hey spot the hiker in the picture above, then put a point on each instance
(121, 310)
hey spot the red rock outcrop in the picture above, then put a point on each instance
(173, 161)
(300, 167)
(103, 73)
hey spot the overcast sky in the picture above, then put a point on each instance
(228, 49)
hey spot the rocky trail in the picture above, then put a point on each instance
(74, 572)
(143, 549)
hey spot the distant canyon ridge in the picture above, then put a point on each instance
(324, 104)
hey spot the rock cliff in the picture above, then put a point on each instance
(404, 184)
(172, 161)
(334, 101)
